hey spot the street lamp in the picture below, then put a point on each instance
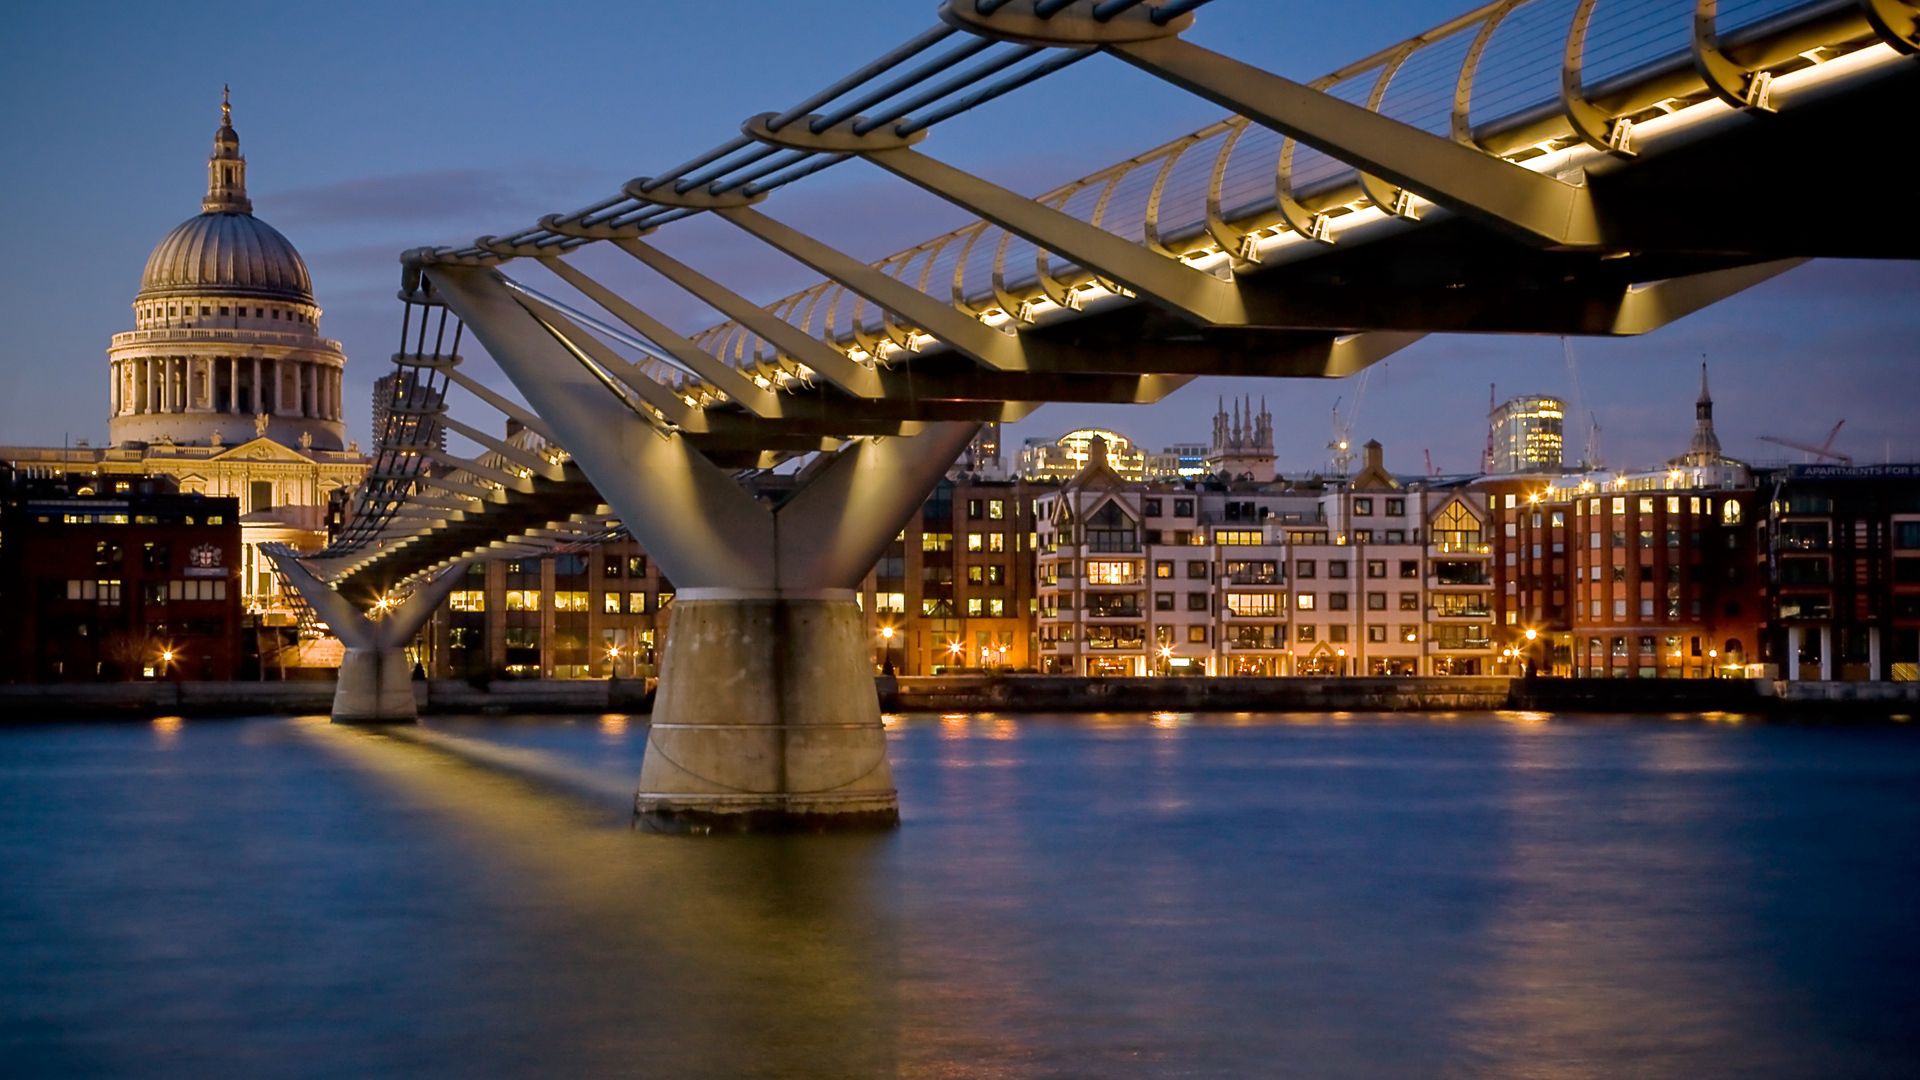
(957, 651)
(1166, 659)
(613, 661)
(1713, 669)
(1342, 654)
(886, 651)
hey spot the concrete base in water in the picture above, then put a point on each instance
(375, 687)
(766, 720)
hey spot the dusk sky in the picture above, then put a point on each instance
(373, 128)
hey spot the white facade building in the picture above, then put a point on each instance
(1366, 578)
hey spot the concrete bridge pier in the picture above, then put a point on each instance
(766, 716)
(376, 683)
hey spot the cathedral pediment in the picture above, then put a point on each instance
(264, 449)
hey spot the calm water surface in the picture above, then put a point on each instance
(1182, 895)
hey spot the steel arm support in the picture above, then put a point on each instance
(1463, 179)
(1163, 281)
(687, 512)
(833, 365)
(964, 333)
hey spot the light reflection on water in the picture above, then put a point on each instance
(1173, 893)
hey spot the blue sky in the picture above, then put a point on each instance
(373, 128)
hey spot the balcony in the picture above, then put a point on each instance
(1475, 611)
(1459, 581)
(1115, 611)
(1453, 645)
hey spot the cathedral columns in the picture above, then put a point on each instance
(254, 403)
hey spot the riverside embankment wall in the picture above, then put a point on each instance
(1017, 693)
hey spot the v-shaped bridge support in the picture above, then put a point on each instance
(376, 683)
(766, 715)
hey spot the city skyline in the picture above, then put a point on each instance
(309, 142)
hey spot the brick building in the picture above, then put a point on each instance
(134, 582)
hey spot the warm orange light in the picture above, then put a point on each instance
(887, 632)
(1532, 634)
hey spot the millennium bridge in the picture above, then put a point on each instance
(1530, 167)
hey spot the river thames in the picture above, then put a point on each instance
(1224, 895)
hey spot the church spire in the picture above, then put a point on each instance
(1706, 445)
(226, 169)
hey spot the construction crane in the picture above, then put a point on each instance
(1590, 454)
(1824, 450)
(1431, 471)
(1342, 443)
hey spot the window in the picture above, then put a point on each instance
(1376, 568)
(975, 575)
(1163, 569)
(636, 603)
(1196, 570)
(1396, 507)
(1303, 602)
(1110, 529)
(1410, 568)
(467, 600)
(996, 607)
(1150, 507)
(974, 605)
(610, 603)
(1455, 528)
(1163, 601)
(1377, 634)
(1376, 601)
(1729, 512)
(1253, 605)
(975, 542)
(1409, 601)
(610, 566)
(1363, 507)
(974, 509)
(1304, 569)
(1303, 632)
(569, 600)
(1337, 601)
(1409, 634)
(1646, 505)
(996, 574)
(1116, 572)
(1197, 635)
(636, 566)
(523, 599)
(1337, 633)
(996, 542)
(1183, 508)
(1197, 601)
(936, 541)
(1336, 568)
(1238, 537)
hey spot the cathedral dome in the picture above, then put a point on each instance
(226, 253)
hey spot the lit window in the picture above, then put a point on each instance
(1303, 602)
